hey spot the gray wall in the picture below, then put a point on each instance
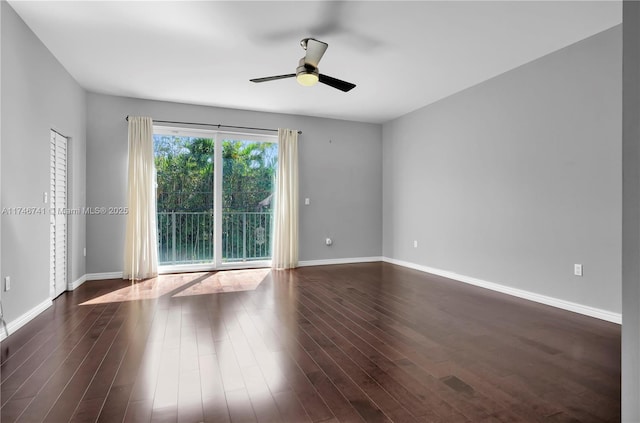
(37, 95)
(631, 214)
(516, 179)
(340, 171)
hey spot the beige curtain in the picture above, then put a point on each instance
(285, 242)
(141, 249)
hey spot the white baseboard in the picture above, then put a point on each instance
(527, 295)
(16, 324)
(306, 263)
(609, 316)
(105, 275)
(228, 266)
(73, 285)
(520, 293)
(231, 266)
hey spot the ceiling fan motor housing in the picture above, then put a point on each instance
(306, 68)
(307, 74)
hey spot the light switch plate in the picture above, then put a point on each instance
(577, 269)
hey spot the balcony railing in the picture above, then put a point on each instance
(187, 237)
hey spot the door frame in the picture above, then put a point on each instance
(216, 135)
(54, 215)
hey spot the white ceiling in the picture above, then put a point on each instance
(401, 55)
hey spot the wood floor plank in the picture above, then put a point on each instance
(290, 408)
(147, 375)
(282, 373)
(87, 410)
(115, 405)
(214, 402)
(42, 362)
(240, 408)
(67, 402)
(318, 395)
(139, 411)
(56, 321)
(45, 384)
(369, 342)
(260, 396)
(367, 384)
(394, 388)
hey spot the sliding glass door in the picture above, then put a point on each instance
(185, 198)
(248, 180)
(214, 198)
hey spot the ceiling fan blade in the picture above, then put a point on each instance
(273, 78)
(336, 83)
(315, 51)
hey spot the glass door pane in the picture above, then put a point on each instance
(185, 198)
(248, 181)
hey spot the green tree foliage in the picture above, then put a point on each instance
(184, 173)
(184, 167)
(248, 175)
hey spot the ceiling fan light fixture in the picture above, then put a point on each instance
(307, 78)
(306, 74)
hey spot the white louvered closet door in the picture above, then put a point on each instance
(58, 218)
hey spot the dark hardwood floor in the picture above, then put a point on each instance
(351, 343)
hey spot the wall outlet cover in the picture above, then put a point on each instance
(577, 269)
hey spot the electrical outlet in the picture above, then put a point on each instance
(307, 201)
(415, 244)
(577, 269)
(328, 241)
(7, 283)
(84, 251)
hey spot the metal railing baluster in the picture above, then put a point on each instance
(187, 237)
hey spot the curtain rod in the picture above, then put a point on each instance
(218, 125)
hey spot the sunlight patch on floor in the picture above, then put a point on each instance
(227, 281)
(186, 284)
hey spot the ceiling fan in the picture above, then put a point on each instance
(307, 73)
